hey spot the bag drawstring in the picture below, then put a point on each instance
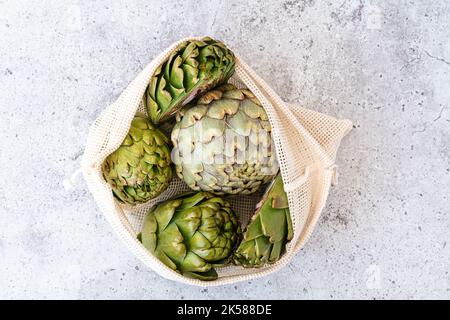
(334, 175)
(297, 183)
(69, 183)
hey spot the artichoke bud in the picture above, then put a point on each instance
(223, 143)
(268, 231)
(194, 67)
(140, 169)
(192, 234)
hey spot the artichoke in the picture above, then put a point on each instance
(139, 169)
(268, 231)
(192, 234)
(194, 67)
(223, 144)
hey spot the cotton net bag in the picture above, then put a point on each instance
(306, 143)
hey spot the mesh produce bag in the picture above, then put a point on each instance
(306, 143)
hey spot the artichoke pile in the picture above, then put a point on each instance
(220, 145)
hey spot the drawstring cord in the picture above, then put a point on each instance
(69, 183)
(334, 175)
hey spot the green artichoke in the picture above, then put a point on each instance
(139, 169)
(194, 67)
(223, 144)
(192, 234)
(268, 231)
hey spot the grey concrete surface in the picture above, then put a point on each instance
(384, 64)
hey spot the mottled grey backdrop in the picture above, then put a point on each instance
(383, 64)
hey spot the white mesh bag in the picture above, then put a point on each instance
(306, 143)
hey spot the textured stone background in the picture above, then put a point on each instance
(383, 64)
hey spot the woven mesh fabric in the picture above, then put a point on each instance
(306, 144)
